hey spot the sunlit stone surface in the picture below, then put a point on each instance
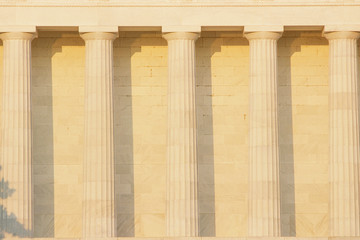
(17, 204)
(344, 134)
(182, 179)
(179, 119)
(99, 192)
(264, 187)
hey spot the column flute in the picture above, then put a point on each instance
(99, 192)
(264, 185)
(344, 134)
(182, 207)
(16, 133)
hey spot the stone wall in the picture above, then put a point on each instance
(140, 103)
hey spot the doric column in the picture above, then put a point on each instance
(264, 185)
(99, 192)
(182, 207)
(344, 134)
(17, 215)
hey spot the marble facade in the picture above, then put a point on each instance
(184, 119)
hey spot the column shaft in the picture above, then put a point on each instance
(264, 190)
(182, 206)
(99, 196)
(16, 134)
(344, 135)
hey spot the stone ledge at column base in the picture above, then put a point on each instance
(196, 238)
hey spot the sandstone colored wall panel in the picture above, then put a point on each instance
(222, 106)
(58, 104)
(303, 100)
(140, 90)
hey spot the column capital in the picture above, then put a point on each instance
(181, 35)
(99, 32)
(263, 32)
(263, 35)
(341, 35)
(18, 35)
(99, 35)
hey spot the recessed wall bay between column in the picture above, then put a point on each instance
(303, 133)
(140, 97)
(222, 105)
(140, 103)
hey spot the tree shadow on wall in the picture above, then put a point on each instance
(8, 221)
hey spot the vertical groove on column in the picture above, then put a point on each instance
(264, 192)
(16, 133)
(99, 199)
(182, 206)
(344, 135)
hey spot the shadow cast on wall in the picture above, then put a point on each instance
(42, 132)
(43, 166)
(286, 149)
(205, 145)
(123, 142)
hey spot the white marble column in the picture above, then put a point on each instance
(264, 185)
(182, 206)
(99, 193)
(16, 167)
(344, 134)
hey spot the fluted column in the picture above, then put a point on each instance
(344, 134)
(182, 207)
(17, 215)
(264, 186)
(99, 192)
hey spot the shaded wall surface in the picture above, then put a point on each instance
(140, 109)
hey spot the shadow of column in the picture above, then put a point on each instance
(42, 135)
(123, 141)
(205, 141)
(286, 150)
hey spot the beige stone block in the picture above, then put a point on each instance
(231, 207)
(312, 225)
(149, 203)
(150, 225)
(231, 225)
(68, 226)
(68, 204)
